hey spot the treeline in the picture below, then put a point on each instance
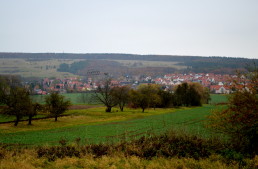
(16, 101)
(151, 96)
(74, 67)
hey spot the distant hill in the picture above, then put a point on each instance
(195, 64)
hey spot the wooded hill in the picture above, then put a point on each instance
(197, 64)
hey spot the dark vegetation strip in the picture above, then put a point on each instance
(167, 145)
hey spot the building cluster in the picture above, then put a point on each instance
(217, 83)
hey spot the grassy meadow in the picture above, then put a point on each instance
(94, 125)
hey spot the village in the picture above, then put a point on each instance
(216, 83)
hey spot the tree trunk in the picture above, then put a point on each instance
(30, 119)
(55, 118)
(17, 120)
(143, 110)
(121, 107)
(108, 109)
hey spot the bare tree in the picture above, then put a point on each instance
(104, 94)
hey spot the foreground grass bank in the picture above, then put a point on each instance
(169, 150)
(28, 160)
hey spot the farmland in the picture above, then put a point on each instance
(94, 125)
(143, 63)
(91, 138)
(34, 68)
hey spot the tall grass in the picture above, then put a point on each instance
(169, 150)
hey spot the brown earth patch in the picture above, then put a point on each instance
(76, 107)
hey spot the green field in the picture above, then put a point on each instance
(94, 125)
(75, 98)
(108, 127)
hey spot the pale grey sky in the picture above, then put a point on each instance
(171, 27)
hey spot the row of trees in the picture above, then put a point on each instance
(16, 101)
(151, 96)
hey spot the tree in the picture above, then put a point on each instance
(33, 111)
(239, 120)
(181, 95)
(17, 102)
(121, 95)
(104, 94)
(139, 99)
(56, 104)
(203, 92)
(146, 96)
(4, 89)
(7, 82)
(191, 94)
(167, 98)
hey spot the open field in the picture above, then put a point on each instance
(142, 63)
(94, 125)
(219, 98)
(34, 68)
(48, 67)
(75, 98)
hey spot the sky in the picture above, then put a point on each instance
(168, 27)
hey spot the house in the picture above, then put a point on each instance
(218, 89)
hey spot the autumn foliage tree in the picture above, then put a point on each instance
(145, 96)
(121, 95)
(240, 119)
(191, 94)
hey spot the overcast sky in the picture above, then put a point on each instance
(171, 27)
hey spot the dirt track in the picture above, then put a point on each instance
(76, 107)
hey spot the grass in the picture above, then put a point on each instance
(219, 98)
(188, 145)
(75, 98)
(94, 125)
(28, 159)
